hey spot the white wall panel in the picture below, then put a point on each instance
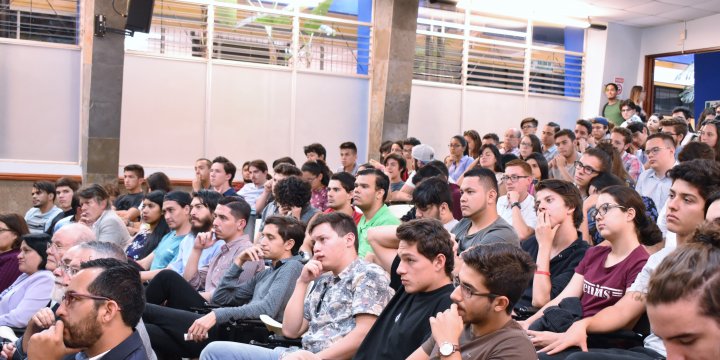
(331, 110)
(39, 103)
(563, 112)
(434, 116)
(250, 114)
(163, 108)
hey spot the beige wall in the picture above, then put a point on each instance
(15, 196)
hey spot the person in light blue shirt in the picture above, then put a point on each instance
(458, 161)
(40, 216)
(176, 209)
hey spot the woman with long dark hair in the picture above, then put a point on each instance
(318, 175)
(12, 228)
(153, 227)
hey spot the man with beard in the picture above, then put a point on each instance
(40, 216)
(479, 322)
(71, 264)
(101, 307)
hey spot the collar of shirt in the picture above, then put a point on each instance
(349, 270)
(382, 212)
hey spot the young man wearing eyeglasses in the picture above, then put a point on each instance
(653, 182)
(591, 164)
(517, 206)
(479, 324)
(341, 306)
(529, 125)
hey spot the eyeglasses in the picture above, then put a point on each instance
(525, 127)
(604, 208)
(72, 297)
(54, 245)
(4, 230)
(68, 270)
(654, 150)
(513, 178)
(454, 145)
(585, 168)
(467, 292)
(526, 144)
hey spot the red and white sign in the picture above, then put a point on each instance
(619, 81)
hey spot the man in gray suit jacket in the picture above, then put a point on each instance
(96, 212)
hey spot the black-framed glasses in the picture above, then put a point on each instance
(528, 126)
(512, 178)
(654, 150)
(72, 297)
(467, 292)
(4, 230)
(604, 208)
(585, 168)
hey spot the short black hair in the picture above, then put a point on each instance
(349, 145)
(611, 84)
(636, 127)
(283, 160)
(402, 164)
(411, 141)
(531, 120)
(289, 228)
(427, 172)
(136, 168)
(239, 208)
(292, 191)
(259, 164)
(487, 178)
(432, 191)
(159, 181)
(46, 186)
(318, 168)
(228, 167)
(431, 240)
(315, 148)
(120, 282)
(686, 112)
(341, 223)
(382, 181)
(209, 198)
(568, 192)
(701, 173)
(492, 136)
(554, 125)
(696, 150)
(287, 169)
(565, 132)
(69, 182)
(586, 124)
(346, 179)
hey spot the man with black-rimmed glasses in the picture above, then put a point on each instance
(517, 206)
(653, 182)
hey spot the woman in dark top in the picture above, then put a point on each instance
(12, 228)
(152, 229)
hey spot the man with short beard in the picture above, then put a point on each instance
(104, 327)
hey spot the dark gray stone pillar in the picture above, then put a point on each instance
(102, 79)
(393, 56)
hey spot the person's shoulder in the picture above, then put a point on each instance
(597, 251)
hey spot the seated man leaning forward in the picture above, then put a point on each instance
(478, 325)
(347, 296)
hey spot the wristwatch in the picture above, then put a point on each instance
(447, 349)
(515, 204)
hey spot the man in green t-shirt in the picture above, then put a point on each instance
(371, 189)
(611, 109)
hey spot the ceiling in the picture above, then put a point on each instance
(647, 13)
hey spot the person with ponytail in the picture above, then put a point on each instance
(604, 274)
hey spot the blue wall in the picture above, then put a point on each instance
(707, 80)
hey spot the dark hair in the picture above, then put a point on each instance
(411, 141)
(611, 84)
(686, 112)
(568, 192)
(239, 208)
(531, 120)
(292, 191)
(399, 159)
(289, 228)
(206, 160)
(624, 132)
(259, 164)
(318, 168)
(159, 181)
(427, 172)
(647, 231)
(475, 136)
(346, 179)
(95, 191)
(39, 243)
(385, 146)
(680, 126)
(665, 137)
(182, 198)
(605, 179)
(17, 225)
(136, 168)
(486, 177)
(340, 222)
(366, 166)
(602, 155)
(228, 167)
(629, 103)
(349, 145)
(382, 182)
(283, 160)
(161, 229)
(542, 164)
(691, 270)
(461, 140)
(636, 126)
(209, 198)
(437, 164)
(696, 150)
(702, 174)
(47, 187)
(431, 240)
(496, 153)
(715, 196)
(584, 123)
(616, 164)
(287, 169)
(432, 191)
(492, 136)
(536, 144)
(505, 268)
(716, 149)
(554, 125)
(120, 282)
(69, 182)
(316, 148)
(565, 132)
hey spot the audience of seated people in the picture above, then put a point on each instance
(564, 239)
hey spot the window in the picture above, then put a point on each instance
(53, 21)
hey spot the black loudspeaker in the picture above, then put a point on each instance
(139, 15)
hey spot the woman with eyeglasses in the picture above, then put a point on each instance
(709, 135)
(31, 290)
(490, 159)
(528, 145)
(604, 274)
(458, 162)
(12, 228)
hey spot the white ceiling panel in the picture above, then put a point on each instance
(712, 5)
(619, 4)
(653, 8)
(685, 14)
(679, 2)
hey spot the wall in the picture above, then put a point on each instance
(439, 112)
(707, 80)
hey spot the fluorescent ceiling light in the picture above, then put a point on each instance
(566, 13)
